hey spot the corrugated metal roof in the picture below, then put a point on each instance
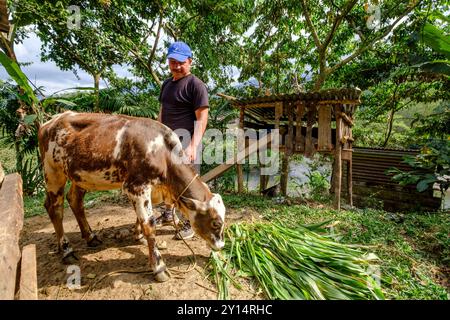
(368, 149)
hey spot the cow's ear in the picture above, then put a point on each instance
(194, 205)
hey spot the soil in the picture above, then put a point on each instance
(101, 268)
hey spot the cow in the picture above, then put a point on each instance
(143, 157)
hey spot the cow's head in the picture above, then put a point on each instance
(207, 218)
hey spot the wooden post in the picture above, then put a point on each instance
(28, 274)
(278, 115)
(349, 182)
(240, 173)
(350, 161)
(11, 217)
(288, 148)
(311, 119)
(324, 135)
(338, 160)
(299, 138)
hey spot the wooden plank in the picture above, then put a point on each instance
(346, 119)
(346, 154)
(253, 147)
(11, 217)
(264, 179)
(261, 105)
(2, 175)
(324, 143)
(299, 138)
(28, 274)
(240, 140)
(339, 102)
(338, 161)
(311, 119)
(289, 148)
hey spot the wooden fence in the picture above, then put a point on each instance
(18, 277)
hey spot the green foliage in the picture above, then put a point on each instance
(19, 77)
(435, 125)
(319, 186)
(32, 177)
(20, 137)
(431, 166)
(436, 39)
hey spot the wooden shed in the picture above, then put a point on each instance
(310, 122)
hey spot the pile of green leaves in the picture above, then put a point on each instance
(294, 263)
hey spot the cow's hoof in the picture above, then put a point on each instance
(94, 241)
(70, 258)
(143, 241)
(162, 276)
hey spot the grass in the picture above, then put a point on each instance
(414, 252)
(7, 158)
(414, 248)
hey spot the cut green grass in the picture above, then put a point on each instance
(295, 263)
(414, 252)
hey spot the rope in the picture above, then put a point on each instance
(191, 267)
(194, 264)
(189, 184)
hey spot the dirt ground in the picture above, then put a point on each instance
(101, 267)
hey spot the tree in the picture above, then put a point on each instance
(71, 41)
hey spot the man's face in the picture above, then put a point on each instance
(180, 69)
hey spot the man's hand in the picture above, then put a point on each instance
(191, 153)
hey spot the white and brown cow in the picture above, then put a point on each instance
(142, 156)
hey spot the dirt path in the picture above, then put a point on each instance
(119, 251)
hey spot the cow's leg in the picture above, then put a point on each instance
(138, 235)
(54, 203)
(75, 197)
(142, 203)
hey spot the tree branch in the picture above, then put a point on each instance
(184, 24)
(141, 60)
(148, 34)
(337, 21)
(365, 47)
(311, 26)
(155, 44)
(353, 25)
(146, 66)
(171, 31)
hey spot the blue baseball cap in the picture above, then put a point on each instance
(179, 51)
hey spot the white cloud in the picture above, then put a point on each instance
(47, 74)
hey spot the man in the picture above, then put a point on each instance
(184, 107)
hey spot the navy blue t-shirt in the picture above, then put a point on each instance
(179, 99)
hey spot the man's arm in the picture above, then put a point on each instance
(199, 129)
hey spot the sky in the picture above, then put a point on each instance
(47, 74)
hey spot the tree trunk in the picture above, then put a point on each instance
(389, 128)
(96, 92)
